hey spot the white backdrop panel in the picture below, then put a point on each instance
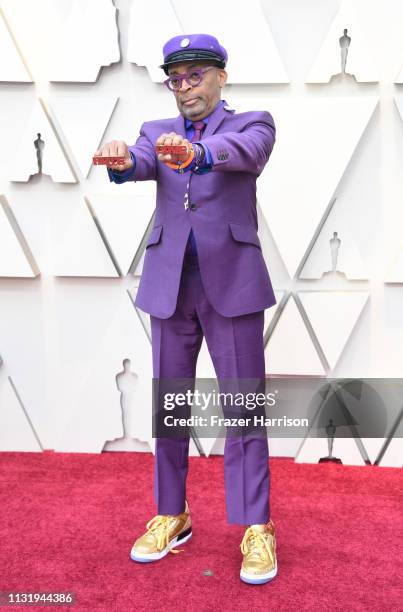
(333, 315)
(326, 130)
(83, 123)
(16, 258)
(24, 354)
(124, 220)
(25, 161)
(335, 244)
(94, 414)
(81, 251)
(290, 349)
(361, 62)
(254, 56)
(12, 67)
(54, 334)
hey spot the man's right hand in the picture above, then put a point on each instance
(116, 148)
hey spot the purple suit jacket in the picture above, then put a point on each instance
(222, 213)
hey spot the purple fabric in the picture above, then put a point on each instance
(117, 176)
(222, 215)
(197, 129)
(236, 348)
(221, 293)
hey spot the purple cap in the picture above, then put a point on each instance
(187, 47)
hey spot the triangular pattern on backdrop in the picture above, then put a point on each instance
(139, 267)
(332, 413)
(123, 219)
(294, 209)
(395, 272)
(375, 404)
(399, 104)
(81, 251)
(83, 121)
(12, 67)
(15, 431)
(270, 312)
(392, 456)
(23, 351)
(91, 24)
(143, 49)
(254, 55)
(290, 350)
(314, 449)
(25, 160)
(374, 446)
(94, 415)
(333, 316)
(391, 453)
(360, 62)
(336, 247)
(16, 258)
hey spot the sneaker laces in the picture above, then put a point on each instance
(255, 541)
(159, 528)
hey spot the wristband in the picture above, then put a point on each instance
(182, 165)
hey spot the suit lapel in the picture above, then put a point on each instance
(216, 118)
(179, 126)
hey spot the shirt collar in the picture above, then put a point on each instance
(189, 122)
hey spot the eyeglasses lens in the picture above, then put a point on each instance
(193, 78)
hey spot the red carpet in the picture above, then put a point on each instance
(68, 522)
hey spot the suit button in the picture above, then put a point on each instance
(192, 206)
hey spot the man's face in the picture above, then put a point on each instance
(197, 102)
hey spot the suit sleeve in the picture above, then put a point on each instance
(145, 166)
(245, 151)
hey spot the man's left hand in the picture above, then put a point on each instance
(173, 139)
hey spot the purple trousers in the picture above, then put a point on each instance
(236, 348)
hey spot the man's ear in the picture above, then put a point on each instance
(222, 77)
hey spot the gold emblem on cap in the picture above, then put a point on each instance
(185, 42)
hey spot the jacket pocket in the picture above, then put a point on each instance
(155, 236)
(244, 233)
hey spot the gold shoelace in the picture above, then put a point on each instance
(159, 527)
(257, 540)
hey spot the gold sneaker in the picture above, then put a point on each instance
(165, 531)
(258, 547)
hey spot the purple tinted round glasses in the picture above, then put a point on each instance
(193, 78)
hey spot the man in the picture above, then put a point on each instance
(204, 275)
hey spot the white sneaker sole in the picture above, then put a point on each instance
(258, 578)
(147, 557)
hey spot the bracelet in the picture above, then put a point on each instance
(182, 165)
(199, 153)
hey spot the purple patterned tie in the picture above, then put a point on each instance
(198, 128)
